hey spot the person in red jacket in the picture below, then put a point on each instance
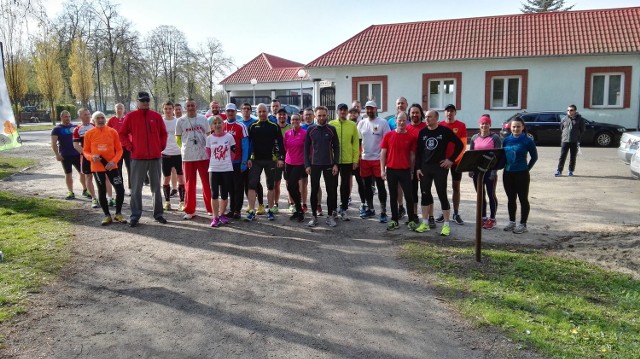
(144, 134)
(103, 150)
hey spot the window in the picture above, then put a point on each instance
(506, 89)
(607, 87)
(606, 90)
(505, 92)
(441, 89)
(547, 117)
(370, 87)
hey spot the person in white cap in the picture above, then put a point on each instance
(372, 129)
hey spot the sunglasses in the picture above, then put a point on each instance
(144, 100)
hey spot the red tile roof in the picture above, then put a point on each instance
(564, 33)
(266, 68)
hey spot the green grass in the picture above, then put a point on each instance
(562, 308)
(11, 165)
(33, 235)
(41, 127)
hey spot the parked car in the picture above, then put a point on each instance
(544, 128)
(629, 143)
(291, 109)
(634, 166)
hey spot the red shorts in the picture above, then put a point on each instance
(370, 168)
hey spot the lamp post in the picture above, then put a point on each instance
(301, 74)
(253, 84)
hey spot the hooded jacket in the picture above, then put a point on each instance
(144, 134)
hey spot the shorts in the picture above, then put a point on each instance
(279, 171)
(370, 168)
(85, 166)
(68, 162)
(455, 175)
(256, 171)
(170, 162)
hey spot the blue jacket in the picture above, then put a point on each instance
(515, 151)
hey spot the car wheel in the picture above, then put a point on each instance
(603, 139)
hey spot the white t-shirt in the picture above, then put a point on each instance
(172, 148)
(371, 132)
(220, 146)
(194, 137)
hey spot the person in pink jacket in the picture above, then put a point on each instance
(294, 164)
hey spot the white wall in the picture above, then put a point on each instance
(553, 84)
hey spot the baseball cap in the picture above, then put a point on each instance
(143, 96)
(282, 110)
(343, 106)
(371, 104)
(231, 107)
(450, 107)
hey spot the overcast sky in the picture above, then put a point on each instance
(301, 30)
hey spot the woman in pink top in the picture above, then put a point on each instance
(294, 164)
(485, 140)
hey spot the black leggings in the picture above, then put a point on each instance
(402, 178)
(126, 158)
(488, 191)
(292, 175)
(382, 192)
(438, 175)
(516, 185)
(330, 184)
(236, 194)
(345, 171)
(220, 183)
(115, 177)
(360, 183)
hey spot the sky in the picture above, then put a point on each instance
(301, 30)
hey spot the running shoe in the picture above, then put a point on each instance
(331, 221)
(251, 216)
(432, 222)
(246, 209)
(229, 214)
(412, 225)
(510, 227)
(70, 195)
(223, 219)
(401, 212)
(423, 227)
(167, 206)
(112, 202)
(294, 216)
(261, 210)
(520, 228)
(270, 215)
(161, 220)
(458, 219)
(363, 211)
(107, 221)
(292, 208)
(275, 209)
(215, 222)
(237, 215)
(392, 226)
(313, 222)
(181, 207)
(94, 203)
(85, 193)
(319, 210)
(490, 223)
(343, 215)
(570, 173)
(558, 174)
(368, 213)
(119, 218)
(383, 217)
(446, 230)
(188, 216)
(440, 219)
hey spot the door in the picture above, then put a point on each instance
(328, 99)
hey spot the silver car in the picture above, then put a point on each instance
(629, 143)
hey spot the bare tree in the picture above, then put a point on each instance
(532, 6)
(48, 72)
(170, 45)
(212, 64)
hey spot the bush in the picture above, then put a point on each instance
(73, 110)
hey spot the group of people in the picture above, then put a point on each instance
(229, 153)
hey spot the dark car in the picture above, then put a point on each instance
(544, 128)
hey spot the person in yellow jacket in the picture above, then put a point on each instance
(102, 148)
(349, 155)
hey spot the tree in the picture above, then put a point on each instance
(212, 63)
(81, 65)
(17, 71)
(533, 6)
(48, 72)
(170, 45)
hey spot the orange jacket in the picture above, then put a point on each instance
(103, 141)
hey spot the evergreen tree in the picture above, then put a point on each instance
(532, 6)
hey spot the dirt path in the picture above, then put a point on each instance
(279, 289)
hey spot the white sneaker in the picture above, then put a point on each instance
(313, 222)
(331, 222)
(188, 216)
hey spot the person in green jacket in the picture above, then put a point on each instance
(349, 154)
